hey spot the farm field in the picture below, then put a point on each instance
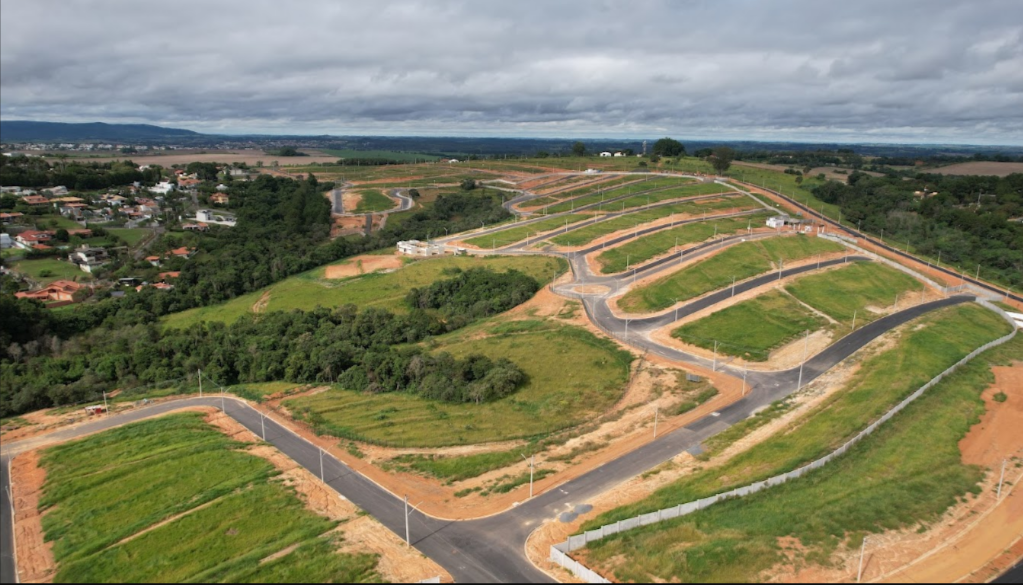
(248, 156)
(650, 246)
(850, 290)
(381, 290)
(373, 201)
(907, 473)
(740, 261)
(572, 376)
(517, 234)
(631, 221)
(753, 328)
(983, 168)
(380, 155)
(135, 503)
(47, 270)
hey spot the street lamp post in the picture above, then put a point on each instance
(532, 461)
(863, 548)
(806, 346)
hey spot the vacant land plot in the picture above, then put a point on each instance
(381, 290)
(644, 248)
(572, 376)
(136, 503)
(131, 236)
(908, 472)
(629, 221)
(599, 193)
(407, 157)
(986, 168)
(373, 201)
(740, 262)
(517, 234)
(47, 270)
(752, 329)
(674, 193)
(855, 290)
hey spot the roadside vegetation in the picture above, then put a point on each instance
(740, 261)
(134, 504)
(905, 474)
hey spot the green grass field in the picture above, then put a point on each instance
(650, 246)
(623, 186)
(740, 261)
(627, 222)
(373, 201)
(47, 270)
(850, 290)
(673, 193)
(572, 377)
(381, 155)
(752, 329)
(517, 234)
(132, 236)
(381, 290)
(104, 497)
(904, 475)
(53, 221)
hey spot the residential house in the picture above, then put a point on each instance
(188, 183)
(222, 187)
(219, 198)
(154, 260)
(5, 241)
(7, 218)
(778, 221)
(75, 210)
(418, 248)
(35, 200)
(219, 218)
(88, 258)
(58, 191)
(196, 227)
(165, 275)
(605, 154)
(30, 238)
(619, 154)
(163, 187)
(182, 252)
(113, 200)
(58, 290)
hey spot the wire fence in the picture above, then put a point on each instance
(559, 552)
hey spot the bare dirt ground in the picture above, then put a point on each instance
(260, 305)
(34, 556)
(346, 225)
(249, 157)
(1000, 169)
(363, 265)
(350, 200)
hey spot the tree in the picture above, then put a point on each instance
(579, 149)
(61, 235)
(413, 193)
(468, 184)
(722, 158)
(703, 153)
(668, 147)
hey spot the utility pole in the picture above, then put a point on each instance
(715, 368)
(626, 329)
(733, 286)
(656, 412)
(998, 496)
(745, 370)
(896, 307)
(859, 573)
(806, 346)
(676, 309)
(854, 320)
(532, 461)
(105, 409)
(321, 466)
(200, 383)
(262, 424)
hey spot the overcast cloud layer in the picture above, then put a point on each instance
(865, 71)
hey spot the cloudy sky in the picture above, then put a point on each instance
(865, 71)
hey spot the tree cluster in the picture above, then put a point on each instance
(475, 293)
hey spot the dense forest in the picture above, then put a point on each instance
(364, 350)
(23, 171)
(968, 221)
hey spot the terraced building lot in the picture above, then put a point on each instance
(373, 201)
(385, 290)
(861, 290)
(175, 500)
(623, 186)
(740, 261)
(644, 248)
(517, 234)
(572, 376)
(904, 475)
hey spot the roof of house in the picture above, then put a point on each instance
(182, 251)
(11, 215)
(174, 274)
(151, 258)
(35, 200)
(34, 236)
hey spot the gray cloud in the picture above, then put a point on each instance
(920, 70)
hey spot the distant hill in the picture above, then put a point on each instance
(28, 131)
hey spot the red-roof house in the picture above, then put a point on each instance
(58, 290)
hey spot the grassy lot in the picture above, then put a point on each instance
(650, 246)
(572, 376)
(53, 221)
(851, 289)
(626, 222)
(752, 329)
(906, 474)
(675, 193)
(456, 468)
(260, 390)
(372, 201)
(105, 496)
(598, 193)
(382, 290)
(786, 184)
(47, 270)
(740, 261)
(132, 236)
(517, 234)
(380, 155)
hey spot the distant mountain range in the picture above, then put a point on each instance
(27, 131)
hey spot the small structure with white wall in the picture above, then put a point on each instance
(163, 187)
(418, 248)
(778, 221)
(219, 218)
(1018, 318)
(605, 154)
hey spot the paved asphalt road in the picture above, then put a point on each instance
(1013, 575)
(6, 526)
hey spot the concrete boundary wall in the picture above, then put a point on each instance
(559, 552)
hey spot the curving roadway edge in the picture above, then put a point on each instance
(492, 549)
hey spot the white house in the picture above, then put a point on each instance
(163, 187)
(619, 154)
(605, 154)
(417, 248)
(777, 221)
(88, 258)
(6, 241)
(219, 218)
